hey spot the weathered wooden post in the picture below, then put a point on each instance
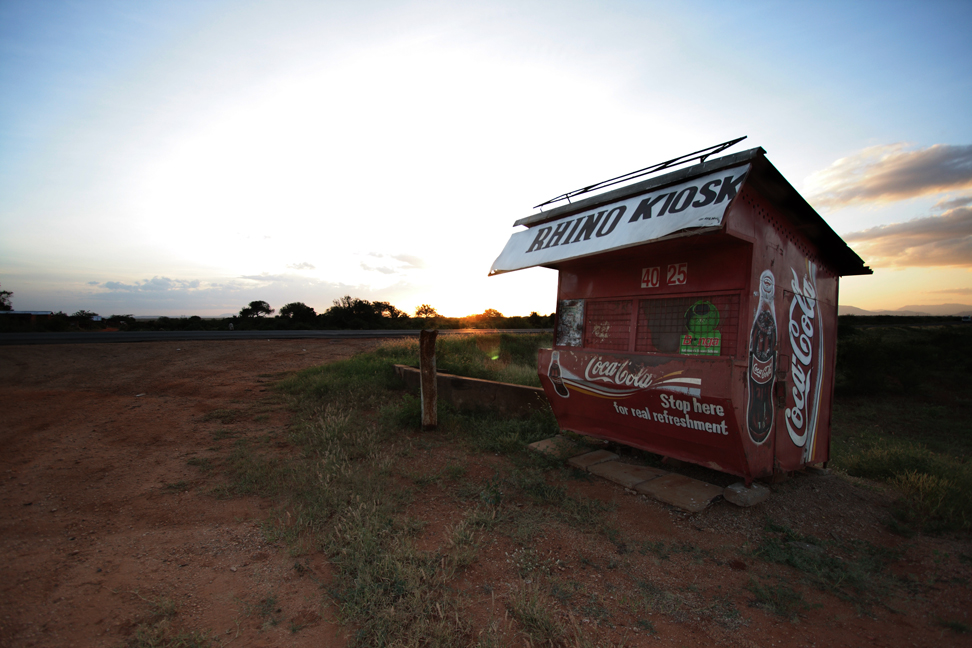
(427, 387)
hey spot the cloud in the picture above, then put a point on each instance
(409, 260)
(952, 291)
(303, 265)
(952, 203)
(155, 284)
(405, 262)
(166, 296)
(930, 241)
(881, 174)
(383, 269)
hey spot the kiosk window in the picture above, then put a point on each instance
(703, 325)
(608, 325)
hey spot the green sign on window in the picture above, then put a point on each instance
(703, 338)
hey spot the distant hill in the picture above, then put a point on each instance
(943, 309)
(912, 311)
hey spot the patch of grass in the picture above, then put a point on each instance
(224, 416)
(935, 502)
(900, 359)
(955, 626)
(594, 609)
(575, 511)
(405, 414)
(855, 571)
(176, 487)
(488, 432)
(393, 592)
(780, 599)
(584, 512)
(904, 416)
(656, 599)
(455, 471)
(491, 492)
(936, 488)
(251, 473)
(685, 604)
(204, 464)
(159, 631)
(723, 611)
(564, 591)
(268, 610)
(532, 610)
(528, 561)
(504, 358)
(462, 539)
(425, 479)
(656, 548)
(224, 433)
(360, 381)
(647, 626)
(162, 634)
(341, 494)
(339, 500)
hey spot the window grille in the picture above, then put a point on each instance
(703, 325)
(608, 325)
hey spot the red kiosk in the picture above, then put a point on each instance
(696, 314)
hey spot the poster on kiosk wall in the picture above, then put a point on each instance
(671, 405)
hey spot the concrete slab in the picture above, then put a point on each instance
(628, 475)
(585, 461)
(740, 495)
(558, 446)
(683, 492)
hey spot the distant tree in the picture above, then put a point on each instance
(353, 313)
(298, 312)
(384, 309)
(122, 321)
(491, 314)
(5, 296)
(425, 311)
(84, 314)
(256, 309)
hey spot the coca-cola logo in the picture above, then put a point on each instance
(800, 421)
(618, 373)
(762, 371)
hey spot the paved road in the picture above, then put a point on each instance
(80, 337)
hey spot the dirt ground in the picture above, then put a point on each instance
(110, 518)
(101, 516)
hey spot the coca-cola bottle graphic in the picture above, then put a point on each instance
(762, 362)
(553, 372)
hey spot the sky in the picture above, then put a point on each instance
(178, 158)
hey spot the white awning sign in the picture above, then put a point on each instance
(700, 202)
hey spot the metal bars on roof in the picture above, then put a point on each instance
(700, 155)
